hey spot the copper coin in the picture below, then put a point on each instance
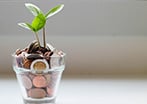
(26, 82)
(27, 63)
(37, 93)
(47, 55)
(39, 81)
(50, 91)
(18, 51)
(33, 47)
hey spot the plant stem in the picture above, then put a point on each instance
(37, 39)
(44, 41)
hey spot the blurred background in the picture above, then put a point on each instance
(100, 37)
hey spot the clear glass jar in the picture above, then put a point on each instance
(39, 87)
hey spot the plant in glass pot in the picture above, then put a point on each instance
(39, 68)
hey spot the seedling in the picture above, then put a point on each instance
(39, 20)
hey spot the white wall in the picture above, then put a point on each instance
(99, 37)
(80, 17)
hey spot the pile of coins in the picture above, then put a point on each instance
(39, 86)
(40, 81)
(38, 58)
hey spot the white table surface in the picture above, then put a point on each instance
(86, 91)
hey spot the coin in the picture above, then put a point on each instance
(36, 93)
(39, 64)
(27, 63)
(39, 81)
(26, 82)
(34, 56)
(50, 91)
(18, 51)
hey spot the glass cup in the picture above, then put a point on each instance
(37, 86)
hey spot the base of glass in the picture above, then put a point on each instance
(39, 101)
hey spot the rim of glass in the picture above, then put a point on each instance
(57, 68)
(19, 69)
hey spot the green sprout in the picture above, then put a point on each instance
(39, 20)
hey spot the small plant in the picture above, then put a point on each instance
(39, 20)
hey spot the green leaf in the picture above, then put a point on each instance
(30, 26)
(38, 22)
(26, 26)
(33, 9)
(54, 11)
